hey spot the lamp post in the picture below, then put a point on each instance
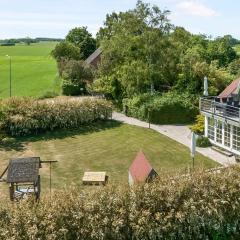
(10, 75)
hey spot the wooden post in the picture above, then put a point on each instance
(149, 123)
(38, 188)
(50, 179)
(11, 191)
(50, 174)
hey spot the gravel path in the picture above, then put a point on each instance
(179, 133)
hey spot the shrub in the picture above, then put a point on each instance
(49, 94)
(200, 206)
(198, 127)
(169, 108)
(24, 116)
(76, 75)
(203, 142)
(71, 89)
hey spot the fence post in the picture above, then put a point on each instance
(149, 120)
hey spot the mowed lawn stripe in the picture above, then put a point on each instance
(112, 148)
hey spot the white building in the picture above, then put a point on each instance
(222, 118)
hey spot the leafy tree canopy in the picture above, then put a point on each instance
(65, 50)
(142, 50)
(76, 74)
(82, 39)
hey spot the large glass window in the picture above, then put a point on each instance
(219, 132)
(211, 128)
(227, 129)
(236, 138)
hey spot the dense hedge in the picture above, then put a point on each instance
(25, 116)
(202, 206)
(169, 108)
(71, 89)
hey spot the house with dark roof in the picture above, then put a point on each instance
(95, 58)
(140, 170)
(222, 118)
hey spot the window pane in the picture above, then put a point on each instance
(236, 138)
(219, 132)
(227, 135)
(211, 128)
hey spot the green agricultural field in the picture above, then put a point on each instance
(237, 48)
(34, 71)
(107, 147)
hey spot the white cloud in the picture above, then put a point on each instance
(194, 7)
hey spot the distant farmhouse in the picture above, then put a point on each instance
(222, 118)
(141, 171)
(95, 58)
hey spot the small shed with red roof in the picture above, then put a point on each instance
(141, 171)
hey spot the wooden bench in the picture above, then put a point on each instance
(94, 178)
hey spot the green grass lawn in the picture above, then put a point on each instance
(34, 71)
(107, 147)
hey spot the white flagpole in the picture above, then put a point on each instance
(193, 147)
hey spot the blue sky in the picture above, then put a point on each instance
(54, 18)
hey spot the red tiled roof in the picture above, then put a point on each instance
(229, 89)
(140, 168)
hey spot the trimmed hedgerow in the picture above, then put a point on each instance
(168, 108)
(201, 206)
(25, 116)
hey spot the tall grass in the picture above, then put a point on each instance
(25, 116)
(201, 206)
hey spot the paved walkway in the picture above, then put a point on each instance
(179, 133)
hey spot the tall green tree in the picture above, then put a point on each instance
(65, 50)
(134, 49)
(222, 51)
(82, 39)
(142, 50)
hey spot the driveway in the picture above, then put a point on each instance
(179, 133)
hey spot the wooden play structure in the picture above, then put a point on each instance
(23, 177)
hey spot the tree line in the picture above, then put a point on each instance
(27, 40)
(142, 51)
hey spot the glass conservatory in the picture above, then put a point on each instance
(222, 118)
